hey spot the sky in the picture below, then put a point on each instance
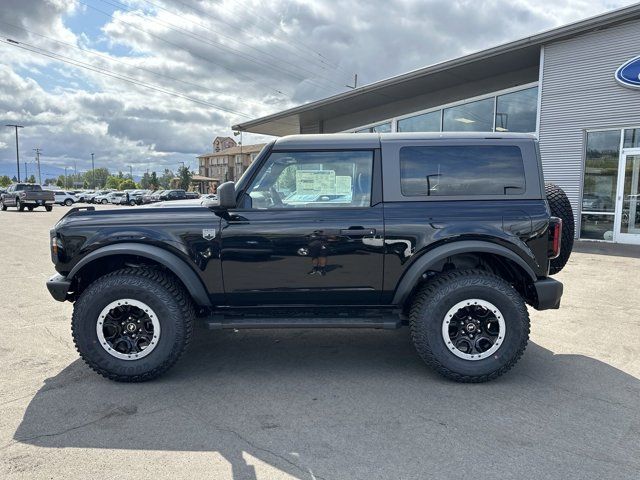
(148, 84)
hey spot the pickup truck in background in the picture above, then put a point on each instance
(26, 195)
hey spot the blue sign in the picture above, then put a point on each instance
(628, 74)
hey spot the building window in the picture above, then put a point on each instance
(380, 128)
(517, 111)
(632, 138)
(461, 170)
(427, 122)
(600, 184)
(469, 117)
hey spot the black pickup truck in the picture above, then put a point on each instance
(451, 234)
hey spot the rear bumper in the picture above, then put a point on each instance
(548, 294)
(58, 287)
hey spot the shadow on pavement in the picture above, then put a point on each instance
(353, 404)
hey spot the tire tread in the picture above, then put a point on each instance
(444, 284)
(187, 312)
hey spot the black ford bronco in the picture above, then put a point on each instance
(451, 234)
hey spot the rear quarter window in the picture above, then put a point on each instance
(461, 170)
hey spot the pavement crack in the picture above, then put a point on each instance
(116, 412)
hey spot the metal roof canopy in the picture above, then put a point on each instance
(521, 54)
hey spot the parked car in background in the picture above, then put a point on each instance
(193, 195)
(26, 195)
(85, 195)
(65, 198)
(114, 198)
(101, 196)
(173, 195)
(155, 196)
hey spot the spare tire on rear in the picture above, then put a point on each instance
(561, 207)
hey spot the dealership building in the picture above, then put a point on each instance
(577, 87)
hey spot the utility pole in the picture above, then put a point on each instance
(38, 162)
(26, 174)
(17, 148)
(131, 171)
(93, 173)
(66, 179)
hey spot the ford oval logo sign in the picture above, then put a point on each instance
(628, 74)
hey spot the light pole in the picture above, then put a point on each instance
(93, 173)
(17, 149)
(37, 150)
(66, 179)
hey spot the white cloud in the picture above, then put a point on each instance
(236, 54)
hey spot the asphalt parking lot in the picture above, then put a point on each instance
(314, 404)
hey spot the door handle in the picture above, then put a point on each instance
(357, 231)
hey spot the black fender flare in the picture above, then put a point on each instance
(411, 278)
(172, 262)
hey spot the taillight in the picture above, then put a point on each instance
(555, 236)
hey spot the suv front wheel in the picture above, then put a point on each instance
(470, 325)
(132, 325)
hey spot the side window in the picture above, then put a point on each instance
(461, 170)
(328, 179)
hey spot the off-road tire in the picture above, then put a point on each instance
(435, 298)
(48, 208)
(561, 207)
(30, 208)
(3, 207)
(163, 293)
(19, 205)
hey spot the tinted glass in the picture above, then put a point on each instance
(469, 117)
(601, 171)
(314, 179)
(382, 128)
(632, 138)
(516, 112)
(461, 170)
(427, 122)
(28, 187)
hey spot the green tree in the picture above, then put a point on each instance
(145, 181)
(101, 175)
(127, 184)
(165, 180)
(154, 183)
(5, 181)
(31, 179)
(112, 182)
(185, 175)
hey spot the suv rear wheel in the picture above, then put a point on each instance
(132, 325)
(470, 325)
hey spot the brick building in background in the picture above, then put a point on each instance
(228, 161)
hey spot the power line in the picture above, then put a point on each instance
(323, 65)
(251, 79)
(109, 73)
(295, 45)
(221, 46)
(107, 57)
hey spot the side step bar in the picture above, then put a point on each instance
(219, 322)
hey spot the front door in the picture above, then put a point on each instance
(628, 208)
(307, 233)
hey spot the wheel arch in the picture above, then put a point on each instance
(121, 252)
(483, 249)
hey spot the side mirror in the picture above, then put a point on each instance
(227, 195)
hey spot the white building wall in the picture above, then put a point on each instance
(579, 93)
